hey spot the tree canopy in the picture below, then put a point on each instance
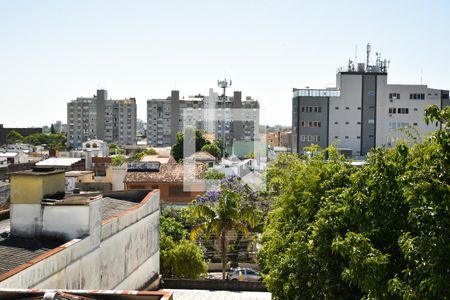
(213, 149)
(179, 257)
(177, 148)
(13, 137)
(376, 232)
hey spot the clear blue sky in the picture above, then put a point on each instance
(54, 51)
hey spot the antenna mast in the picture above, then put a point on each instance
(224, 84)
(369, 49)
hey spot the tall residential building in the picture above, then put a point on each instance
(363, 111)
(165, 117)
(99, 118)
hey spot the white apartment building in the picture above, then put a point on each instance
(99, 118)
(363, 111)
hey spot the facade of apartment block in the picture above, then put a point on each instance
(166, 117)
(99, 118)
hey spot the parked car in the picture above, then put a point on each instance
(247, 274)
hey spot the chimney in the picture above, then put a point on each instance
(28, 188)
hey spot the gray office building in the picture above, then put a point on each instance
(97, 117)
(363, 111)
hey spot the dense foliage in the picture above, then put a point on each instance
(13, 137)
(377, 232)
(213, 149)
(177, 148)
(118, 160)
(55, 141)
(179, 257)
(214, 175)
(140, 154)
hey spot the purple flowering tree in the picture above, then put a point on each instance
(228, 209)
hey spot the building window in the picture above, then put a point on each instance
(346, 136)
(417, 96)
(394, 96)
(347, 107)
(347, 123)
(336, 122)
(337, 107)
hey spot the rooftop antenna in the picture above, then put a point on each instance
(369, 49)
(224, 84)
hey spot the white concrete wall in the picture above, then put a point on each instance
(26, 219)
(350, 97)
(70, 183)
(66, 221)
(117, 177)
(122, 253)
(386, 134)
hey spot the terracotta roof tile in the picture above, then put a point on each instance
(168, 173)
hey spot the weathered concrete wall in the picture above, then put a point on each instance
(94, 186)
(116, 175)
(26, 219)
(122, 252)
(66, 222)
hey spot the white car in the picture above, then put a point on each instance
(247, 274)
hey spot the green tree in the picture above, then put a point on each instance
(52, 129)
(118, 160)
(376, 232)
(223, 212)
(177, 148)
(296, 263)
(115, 149)
(13, 137)
(184, 260)
(140, 154)
(214, 174)
(213, 149)
(179, 257)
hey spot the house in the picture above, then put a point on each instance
(3, 162)
(79, 242)
(63, 163)
(73, 177)
(99, 147)
(162, 159)
(100, 164)
(18, 157)
(203, 157)
(168, 178)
